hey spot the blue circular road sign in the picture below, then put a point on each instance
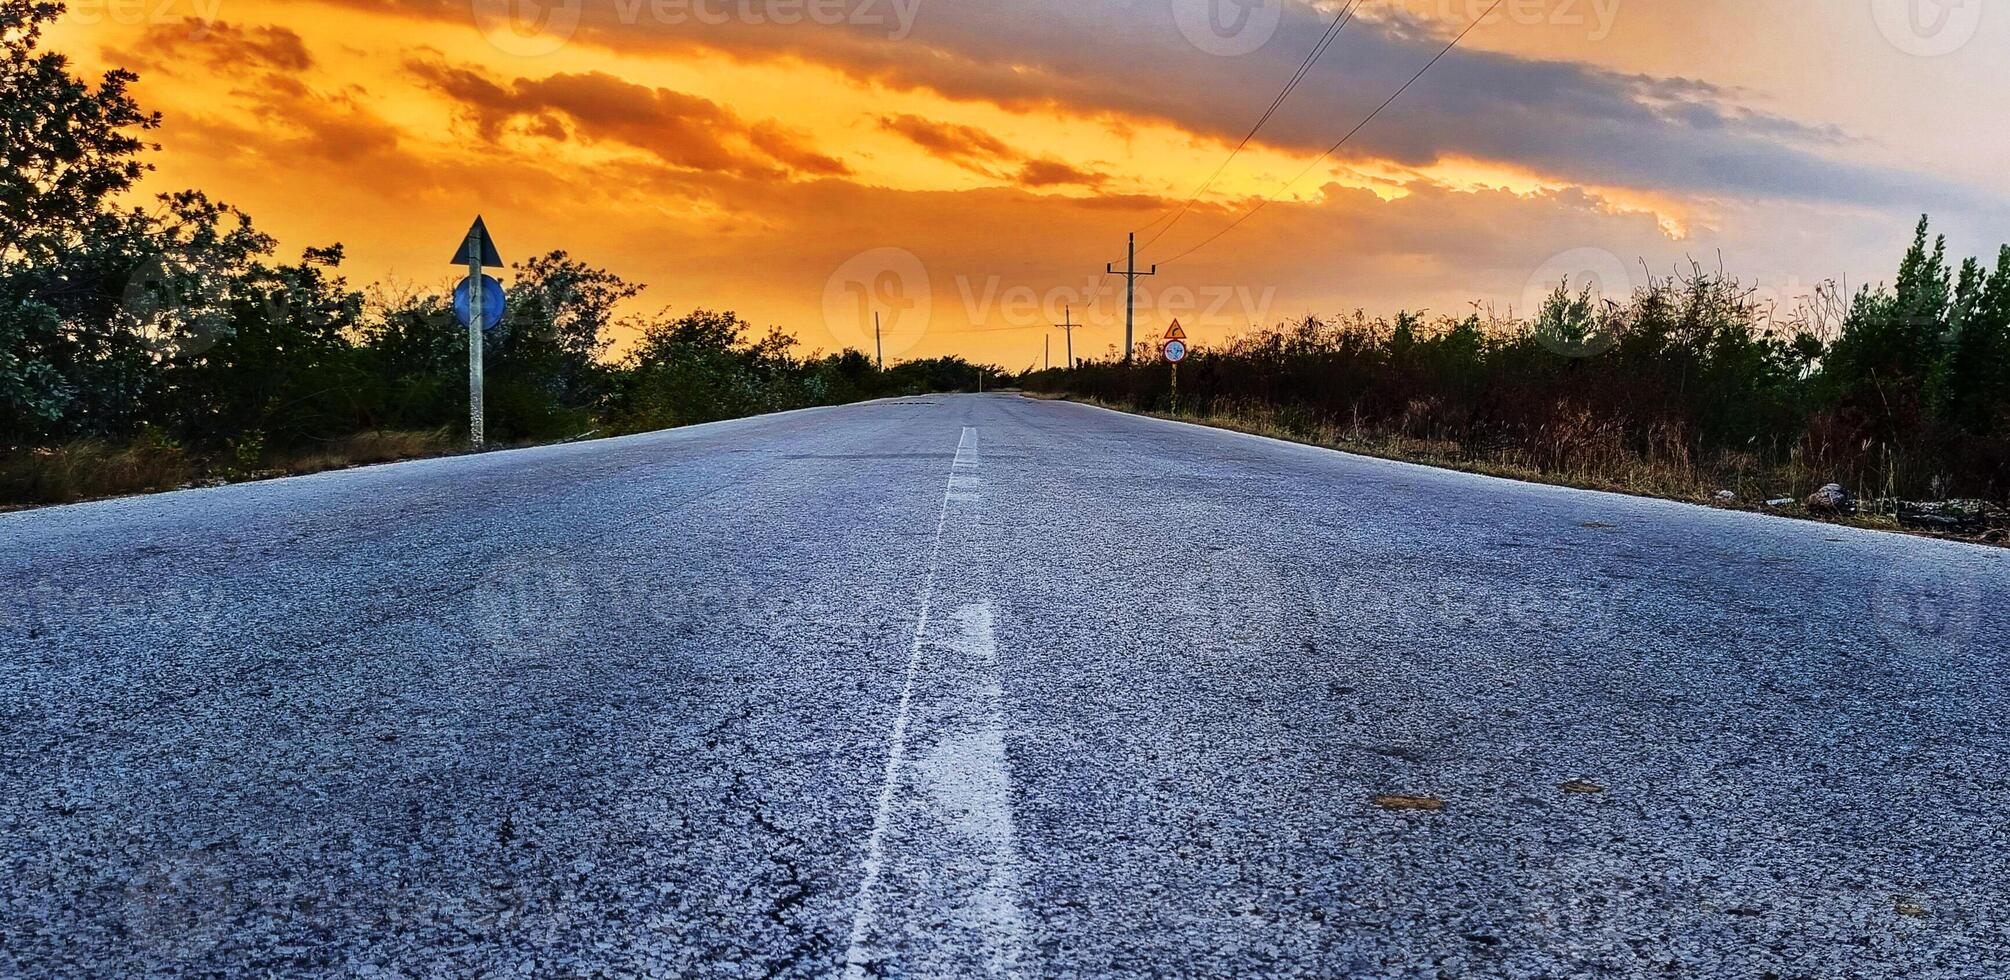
(493, 301)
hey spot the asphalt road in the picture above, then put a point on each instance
(973, 685)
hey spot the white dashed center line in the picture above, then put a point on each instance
(940, 892)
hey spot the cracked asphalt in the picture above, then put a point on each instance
(967, 685)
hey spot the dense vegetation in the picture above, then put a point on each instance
(140, 347)
(1897, 391)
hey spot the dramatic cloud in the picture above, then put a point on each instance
(215, 46)
(790, 147)
(1049, 173)
(1567, 120)
(682, 130)
(980, 152)
(269, 110)
(957, 144)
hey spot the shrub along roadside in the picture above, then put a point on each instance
(1686, 389)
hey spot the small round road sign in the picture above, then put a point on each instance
(1175, 351)
(494, 300)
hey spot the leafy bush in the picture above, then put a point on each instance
(1900, 391)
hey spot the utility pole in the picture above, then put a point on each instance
(1047, 353)
(1130, 275)
(1068, 326)
(878, 346)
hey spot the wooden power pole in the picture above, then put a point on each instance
(1068, 326)
(1130, 275)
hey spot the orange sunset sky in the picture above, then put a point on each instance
(967, 168)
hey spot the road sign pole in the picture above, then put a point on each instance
(475, 291)
(477, 251)
(1175, 351)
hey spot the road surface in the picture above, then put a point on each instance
(982, 685)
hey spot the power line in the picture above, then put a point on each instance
(1333, 30)
(1005, 328)
(1339, 21)
(1266, 202)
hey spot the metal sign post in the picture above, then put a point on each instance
(1175, 352)
(478, 252)
(475, 407)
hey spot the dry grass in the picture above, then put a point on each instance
(94, 470)
(365, 448)
(1588, 458)
(82, 470)
(1585, 457)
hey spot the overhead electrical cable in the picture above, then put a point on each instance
(1266, 202)
(1340, 21)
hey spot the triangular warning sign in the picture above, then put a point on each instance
(1176, 332)
(490, 260)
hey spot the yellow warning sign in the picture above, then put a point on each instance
(1176, 332)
